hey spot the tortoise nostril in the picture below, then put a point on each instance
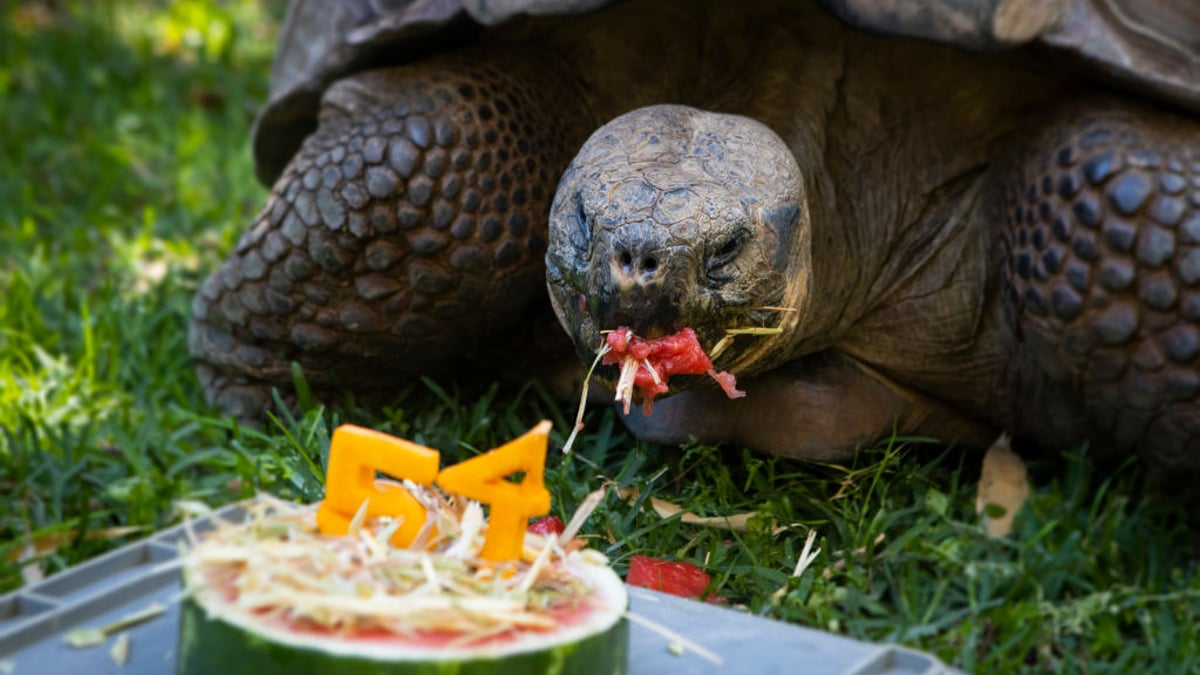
(636, 263)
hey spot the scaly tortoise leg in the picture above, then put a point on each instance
(408, 231)
(1101, 271)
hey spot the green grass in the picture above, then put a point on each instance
(125, 174)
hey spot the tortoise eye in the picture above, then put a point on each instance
(585, 232)
(726, 252)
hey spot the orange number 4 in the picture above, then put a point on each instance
(485, 479)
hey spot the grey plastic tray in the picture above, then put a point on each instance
(34, 620)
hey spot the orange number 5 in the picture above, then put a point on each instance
(355, 453)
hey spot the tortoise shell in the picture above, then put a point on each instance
(1148, 46)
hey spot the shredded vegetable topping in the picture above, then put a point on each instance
(278, 566)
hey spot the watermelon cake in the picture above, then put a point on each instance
(275, 595)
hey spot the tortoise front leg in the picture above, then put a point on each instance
(1099, 229)
(822, 407)
(409, 230)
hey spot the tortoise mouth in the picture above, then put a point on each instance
(607, 375)
(650, 329)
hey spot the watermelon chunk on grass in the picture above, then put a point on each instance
(669, 576)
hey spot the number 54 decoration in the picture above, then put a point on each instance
(356, 453)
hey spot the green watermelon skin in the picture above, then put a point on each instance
(211, 646)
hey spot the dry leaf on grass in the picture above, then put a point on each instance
(737, 522)
(1003, 488)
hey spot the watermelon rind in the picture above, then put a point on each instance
(217, 638)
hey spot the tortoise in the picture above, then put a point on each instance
(951, 218)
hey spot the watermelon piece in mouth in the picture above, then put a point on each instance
(275, 596)
(647, 365)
